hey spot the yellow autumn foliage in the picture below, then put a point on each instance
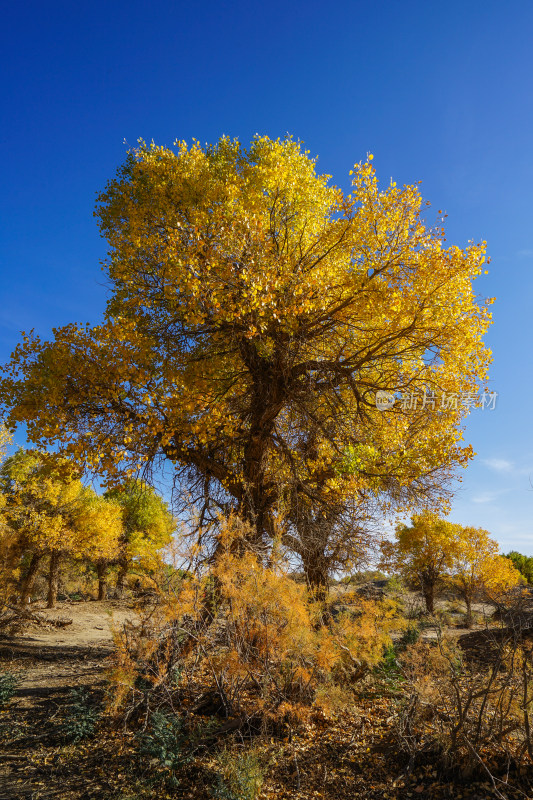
(478, 571)
(9, 549)
(267, 636)
(251, 300)
(433, 550)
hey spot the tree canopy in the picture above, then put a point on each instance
(255, 311)
(478, 569)
(423, 552)
(524, 564)
(48, 511)
(433, 551)
(147, 526)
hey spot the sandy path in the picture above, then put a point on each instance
(49, 658)
(49, 663)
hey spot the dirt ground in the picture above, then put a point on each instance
(49, 663)
(335, 762)
(62, 658)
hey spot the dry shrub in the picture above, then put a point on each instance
(240, 776)
(331, 698)
(474, 719)
(244, 640)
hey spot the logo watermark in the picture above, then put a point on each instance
(385, 400)
(444, 401)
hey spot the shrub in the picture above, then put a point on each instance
(240, 776)
(8, 684)
(444, 618)
(469, 717)
(455, 607)
(410, 636)
(265, 642)
(331, 698)
(168, 741)
(389, 667)
(395, 584)
(81, 717)
(366, 576)
(413, 606)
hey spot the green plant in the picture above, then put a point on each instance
(8, 684)
(395, 584)
(389, 669)
(241, 776)
(171, 742)
(524, 564)
(410, 636)
(81, 717)
(455, 607)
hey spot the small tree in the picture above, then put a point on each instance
(98, 522)
(423, 553)
(37, 508)
(478, 570)
(147, 527)
(328, 537)
(524, 564)
(54, 515)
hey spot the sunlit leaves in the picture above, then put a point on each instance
(51, 510)
(252, 301)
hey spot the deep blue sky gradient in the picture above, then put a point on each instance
(438, 92)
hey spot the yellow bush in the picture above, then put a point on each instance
(255, 634)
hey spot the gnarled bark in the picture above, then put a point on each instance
(28, 581)
(53, 578)
(101, 571)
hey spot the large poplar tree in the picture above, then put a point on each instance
(251, 303)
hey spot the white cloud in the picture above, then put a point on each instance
(485, 497)
(526, 253)
(499, 464)
(503, 465)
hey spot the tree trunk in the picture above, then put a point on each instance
(121, 576)
(267, 395)
(29, 580)
(468, 617)
(316, 576)
(53, 578)
(428, 590)
(101, 571)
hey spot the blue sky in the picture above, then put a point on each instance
(438, 92)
